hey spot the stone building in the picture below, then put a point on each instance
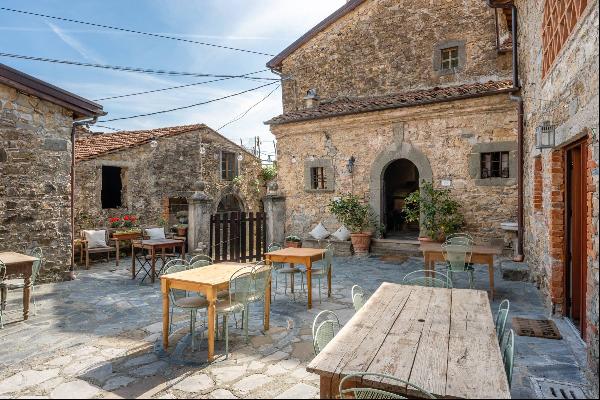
(380, 96)
(152, 174)
(36, 122)
(557, 45)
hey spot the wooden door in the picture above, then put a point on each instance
(575, 239)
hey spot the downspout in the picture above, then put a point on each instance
(520, 123)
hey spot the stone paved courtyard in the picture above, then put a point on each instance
(99, 336)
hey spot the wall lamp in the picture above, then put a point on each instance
(545, 135)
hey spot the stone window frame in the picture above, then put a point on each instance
(328, 172)
(493, 147)
(437, 56)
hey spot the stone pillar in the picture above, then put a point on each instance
(200, 211)
(274, 205)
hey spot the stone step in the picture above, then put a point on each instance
(515, 271)
(391, 247)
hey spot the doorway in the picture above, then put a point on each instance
(575, 237)
(228, 204)
(401, 178)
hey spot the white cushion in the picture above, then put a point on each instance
(319, 232)
(156, 233)
(342, 234)
(95, 239)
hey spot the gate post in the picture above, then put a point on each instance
(274, 205)
(200, 209)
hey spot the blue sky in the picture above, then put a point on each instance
(264, 25)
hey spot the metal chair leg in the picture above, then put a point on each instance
(226, 333)
(171, 320)
(193, 328)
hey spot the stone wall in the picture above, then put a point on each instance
(387, 46)
(35, 179)
(416, 133)
(567, 97)
(153, 175)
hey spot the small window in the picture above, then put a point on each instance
(228, 165)
(449, 58)
(112, 187)
(495, 165)
(317, 178)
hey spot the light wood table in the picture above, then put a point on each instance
(20, 264)
(121, 237)
(432, 252)
(442, 340)
(304, 256)
(153, 245)
(208, 280)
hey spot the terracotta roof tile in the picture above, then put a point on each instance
(346, 106)
(91, 146)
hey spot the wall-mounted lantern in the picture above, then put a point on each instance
(240, 157)
(154, 143)
(350, 165)
(544, 135)
(293, 159)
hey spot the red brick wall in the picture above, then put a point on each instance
(557, 229)
(538, 184)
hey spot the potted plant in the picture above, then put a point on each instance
(293, 241)
(114, 222)
(438, 214)
(182, 217)
(358, 217)
(182, 229)
(268, 173)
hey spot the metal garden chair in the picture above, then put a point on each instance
(501, 318)
(261, 277)
(201, 257)
(281, 268)
(14, 284)
(372, 393)
(325, 326)
(359, 298)
(2, 293)
(508, 354)
(428, 279)
(321, 273)
(460, 238)
(458, 260)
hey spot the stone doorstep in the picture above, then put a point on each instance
(514, 271)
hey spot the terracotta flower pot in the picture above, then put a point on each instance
(181, 231)
(293, 244)
(361, 242)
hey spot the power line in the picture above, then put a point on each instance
(133, 69)
(248, 110)
(158, 35)
(171, 88)
(190, 106)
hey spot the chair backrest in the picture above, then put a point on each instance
(2, 271)
(372, 393)
(240, 285)
(275, 247)
(508, 354)
(201, 257)
(359, 297)
(458, 256)
(172, 267)
(199, 264)
(501, 318)
(37, 265)
(325, 326)
(328, 258)
(261, 274)
(460, 238)
(428, 279)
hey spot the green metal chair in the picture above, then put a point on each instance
(240, 289)
(359, 298)
(261, 276)
(460, 238)
(501, 318)
(325, 326)
(201, 257)
(508, 354)
(281, 268)
(199, 264)
(14, 284)
(321, 273)
(372, 393)
(458, 260)
(2, 293)
(428, 279)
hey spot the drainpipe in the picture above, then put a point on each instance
(517, 98)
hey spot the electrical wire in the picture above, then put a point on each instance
(249, 109)
(133, 69)
(116, 28)
(186, 107)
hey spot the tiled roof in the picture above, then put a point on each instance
(346, 106)
(90, 146)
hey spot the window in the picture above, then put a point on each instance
(560, 18)
(317, 178)
(495, 165)
(112, 187)
(449, 58)
(228, 165)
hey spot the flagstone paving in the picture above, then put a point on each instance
(100, 337)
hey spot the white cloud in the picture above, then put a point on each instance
(75, 44)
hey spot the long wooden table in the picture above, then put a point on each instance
(304, 256)
(442, 340)
(20, 264)
(208, 280)
(432, 252)
(153, 245)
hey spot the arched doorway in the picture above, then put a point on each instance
(229, 203)
(400, 178)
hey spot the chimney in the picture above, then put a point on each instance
(311, 100)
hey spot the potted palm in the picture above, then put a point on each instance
(357, 217)
(438, 214)
(293, 241)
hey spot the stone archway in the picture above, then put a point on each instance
(397, 151)
(229, 201)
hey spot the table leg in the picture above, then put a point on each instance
(329, 281)
(211, 297)
(491, 272)
(325, 387)
(292, 283)
(267, 306)
(26, 296)
(153, 269)
(81, 253)
(426, 257)
(132, 261)
(183, 251)
(308, 265)
(118, 251)
(165, 301)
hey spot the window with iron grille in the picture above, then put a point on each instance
(317, 178)
(495, 165)
(228, 165)
(560, 18)
(449, 58)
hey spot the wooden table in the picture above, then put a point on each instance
(118, 237)
(20, 264)
(153, 245)
(442, 340)
(432, 252)
(208, 280)
(304, 256)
